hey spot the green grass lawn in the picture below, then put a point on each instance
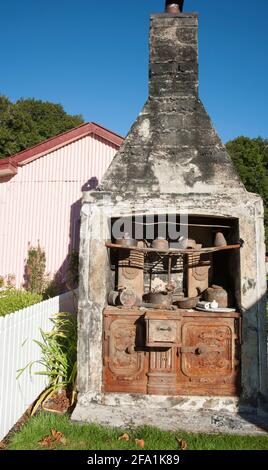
(93, 437)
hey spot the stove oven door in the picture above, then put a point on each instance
(124, 359)
(208, 356)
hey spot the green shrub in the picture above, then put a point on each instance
(13, 300)
(35, 267)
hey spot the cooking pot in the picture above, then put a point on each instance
(191, 243)
(160, 298)
(186, 243)
(220, 239)
(126, 241)
(219, 294)
(126, 297)
(188, 302)
(160, 244)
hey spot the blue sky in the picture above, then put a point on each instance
(92, 56)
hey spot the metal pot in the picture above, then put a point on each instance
(219, 294)
(186, 243)
(220, 239)
(188, 302)
(126, 297)
(160, 298)
(191, 243)
(113, 298)
(126, 241)
(160, 244)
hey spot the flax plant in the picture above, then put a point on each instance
(58, 358)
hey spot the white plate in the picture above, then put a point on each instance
(216, 310)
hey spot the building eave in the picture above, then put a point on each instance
(7, 168)
(9, 165)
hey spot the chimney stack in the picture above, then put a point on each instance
(173, 54)
(172, 147)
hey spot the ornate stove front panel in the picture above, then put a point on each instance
(201, 359)
(125, 365)
(209, 356)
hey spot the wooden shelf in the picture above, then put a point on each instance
(174, 251)
(168, 314)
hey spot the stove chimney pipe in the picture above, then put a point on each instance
(174, 6)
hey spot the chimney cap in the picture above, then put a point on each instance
(174, 6)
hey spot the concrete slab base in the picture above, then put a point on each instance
(211, 422)
(181, 403)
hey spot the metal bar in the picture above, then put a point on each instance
(184, 225)
(169, 270)
(175, 251)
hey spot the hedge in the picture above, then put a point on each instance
(13, 300)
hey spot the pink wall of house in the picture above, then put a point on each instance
(41, 203)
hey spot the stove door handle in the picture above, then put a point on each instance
(130, 349)
(199, 350)
(191, 349)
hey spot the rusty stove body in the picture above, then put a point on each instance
(154, 339)
(171, 171)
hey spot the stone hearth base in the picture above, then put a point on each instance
(194, 414)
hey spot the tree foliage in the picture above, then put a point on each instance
(250, 157)
(29, 122)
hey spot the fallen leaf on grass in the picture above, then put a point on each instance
(46, 442)
(56, 435)
(2, 446)
(140, 443)
(124, 437)
(59, 437)
(182, 443)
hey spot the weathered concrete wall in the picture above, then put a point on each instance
(93, 289)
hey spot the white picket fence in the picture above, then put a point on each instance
(17, 332)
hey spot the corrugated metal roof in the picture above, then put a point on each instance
(8, 166)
